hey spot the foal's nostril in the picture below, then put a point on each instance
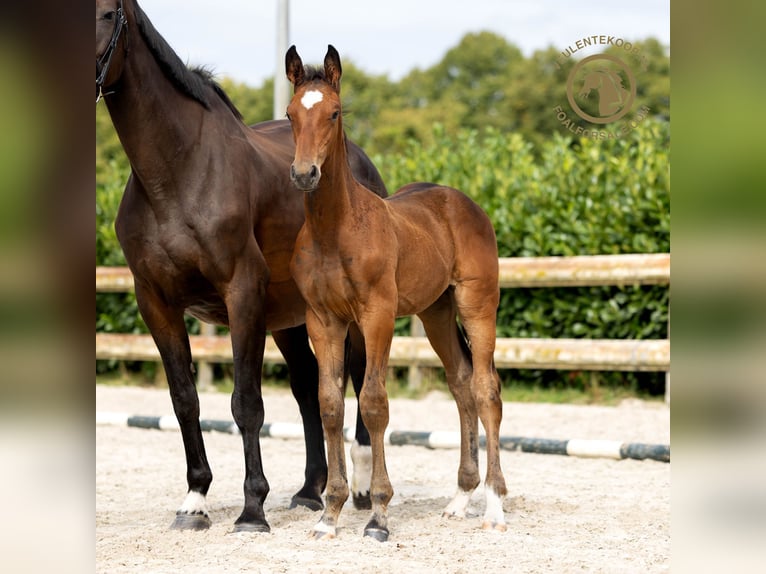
(314, 171)
(292, 172)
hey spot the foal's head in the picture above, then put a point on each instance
(315, 115)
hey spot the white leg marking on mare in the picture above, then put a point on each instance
(194, 503)
(310, 98)
(361, 458)
(494, 517)
(459, 504)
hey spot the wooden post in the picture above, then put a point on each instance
(415, 373)
(205, 369)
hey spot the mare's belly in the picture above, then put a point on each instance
(284, 307)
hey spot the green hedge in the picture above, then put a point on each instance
(564, 198)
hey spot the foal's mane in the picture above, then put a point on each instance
(313, 74)
(191, 81)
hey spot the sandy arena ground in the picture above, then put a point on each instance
(564, 514)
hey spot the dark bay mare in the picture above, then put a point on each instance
(207, 223)
(361, 261)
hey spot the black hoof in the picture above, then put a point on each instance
(251, 527)
(310, 503)
(185, 521)
(379, 534)
(362, 501)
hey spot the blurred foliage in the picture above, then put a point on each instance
(482, 120)
(577, 198)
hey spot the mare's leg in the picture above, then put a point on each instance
(361, 453)
(477, 303)
(378, 330)
(328, 336)
(304, 383)
(244, 295)
(169, 332)
(443, 334)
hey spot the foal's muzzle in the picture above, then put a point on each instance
(305, 179)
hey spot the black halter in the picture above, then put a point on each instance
(106, 58)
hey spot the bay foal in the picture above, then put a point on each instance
(360, 261)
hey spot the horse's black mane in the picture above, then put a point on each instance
(191, 81)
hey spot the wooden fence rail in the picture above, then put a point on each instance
(510, 353)
(564, 354)
(584, 270)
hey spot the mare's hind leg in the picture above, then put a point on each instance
(169, 332)
(304, 383)
(361, 452)
(477, 303)
(444, 336)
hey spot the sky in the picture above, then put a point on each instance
(237, 38)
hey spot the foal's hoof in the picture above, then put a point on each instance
(251, 527)
(377, 533)
(362, 501)
(494, 526)
(186, 521)
(319, 535)
(310, 503)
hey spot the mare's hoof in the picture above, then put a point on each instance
(310, 503)
(186, 521)
(362, 501)
(494, 526)
(251, 527)
(379, 534)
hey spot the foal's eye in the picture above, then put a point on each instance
(335, 115)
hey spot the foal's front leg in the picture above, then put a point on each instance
(328, 336)
(378, 332)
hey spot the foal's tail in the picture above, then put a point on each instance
(465, 344)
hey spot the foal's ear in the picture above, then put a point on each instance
(332, 69)
(294, 67)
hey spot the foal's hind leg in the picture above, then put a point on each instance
(304, 383)
(477, 304)
(442, 332)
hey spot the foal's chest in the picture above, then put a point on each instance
(325, 281)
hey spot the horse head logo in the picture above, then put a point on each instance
(612, 95)
(604, 77)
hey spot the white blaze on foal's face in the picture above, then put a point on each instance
(310, 98)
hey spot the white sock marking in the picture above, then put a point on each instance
(310, 98)
(194, 503)
(324, 528)
(493, 515)
(459, 504)
(361, 457)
